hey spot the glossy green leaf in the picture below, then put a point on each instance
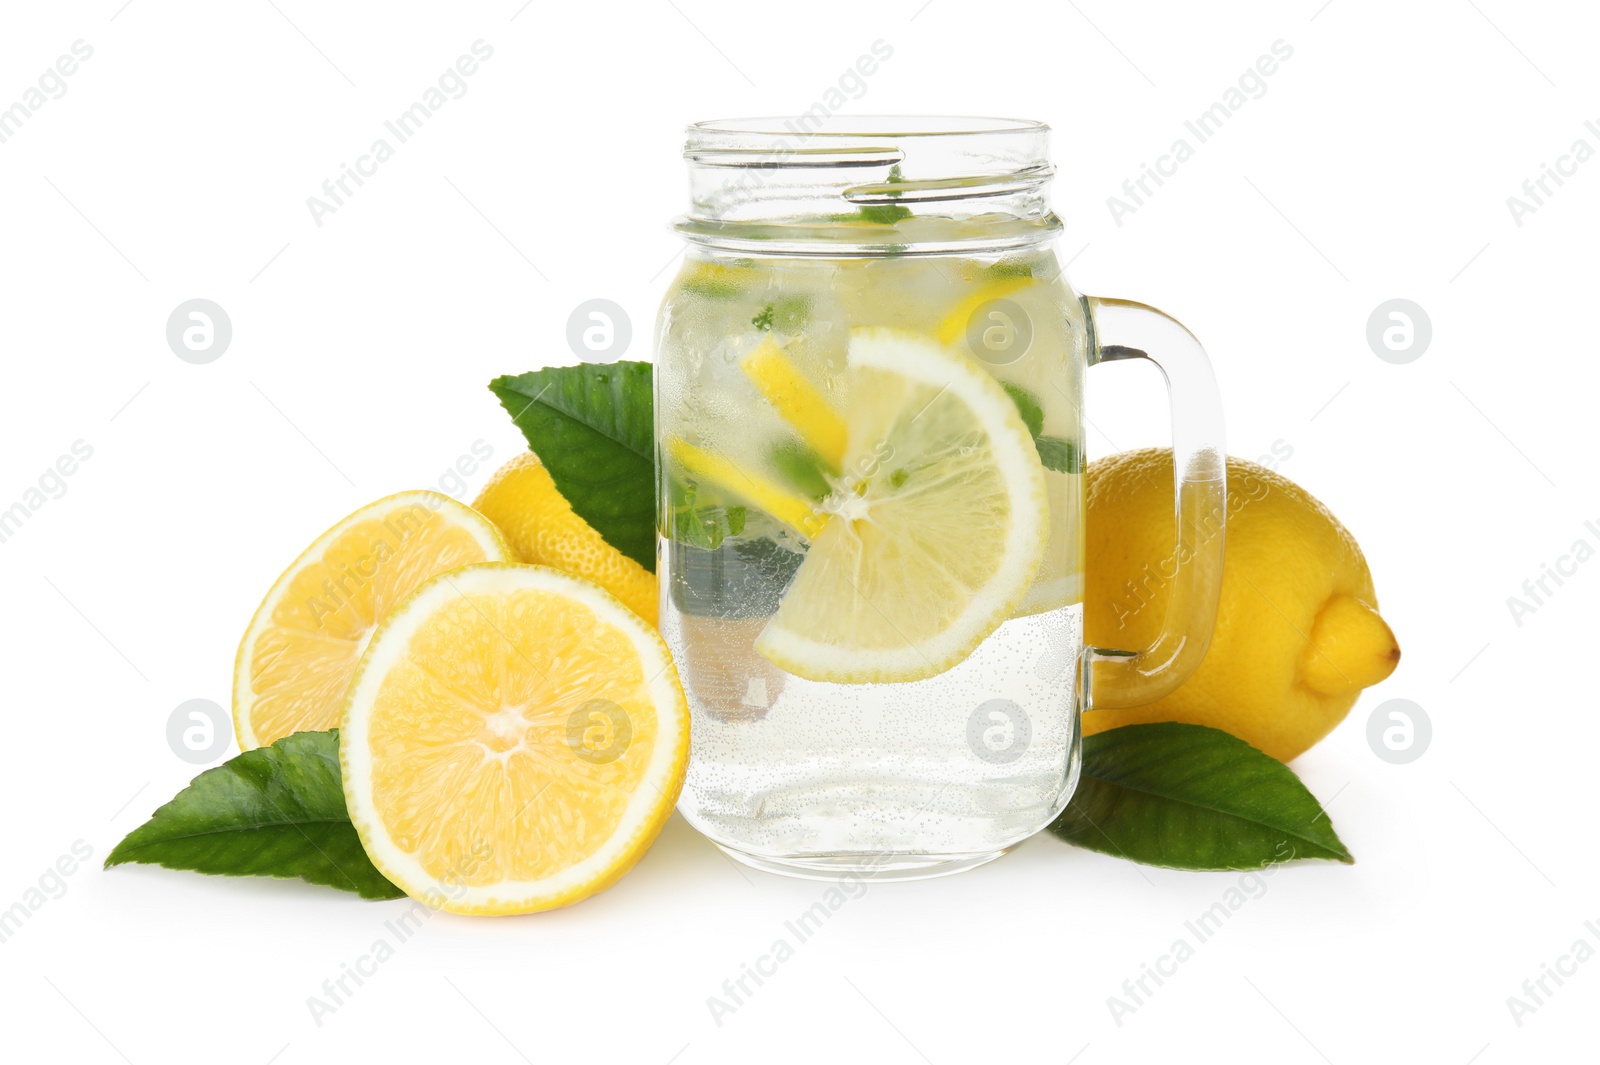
(274, 811)
(593, 428)
(1191, 797)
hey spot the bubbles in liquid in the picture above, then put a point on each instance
(828, 769)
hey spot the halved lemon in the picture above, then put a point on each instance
(513, 741)
(933, 533)
(302, 646)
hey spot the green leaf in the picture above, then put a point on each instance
(803, 468)
(1055, 452)
(1191, 797)
(1027, 406)
(712, 288)
(1058, 454)
(593, 428)
(707, 527)
(699, 523)
(274, 811)
(878, 214)
(1008, 268)
(787, 315)
(886, 214)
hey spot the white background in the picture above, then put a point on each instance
(1377, 165)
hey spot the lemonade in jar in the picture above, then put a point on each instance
(869, 382)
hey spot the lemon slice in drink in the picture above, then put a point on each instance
(513, 741)
(933, 533)
(954, 324)
(782, 384)
(302, 646)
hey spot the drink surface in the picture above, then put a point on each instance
(850, 705)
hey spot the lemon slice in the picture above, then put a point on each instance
(746, 483)
(513, 741)
(954, 324)
(307, 635)
(786, 388)
(933, 535)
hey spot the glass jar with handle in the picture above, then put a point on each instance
(870, 453)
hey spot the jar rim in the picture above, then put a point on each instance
(826, 184)
(857, 126)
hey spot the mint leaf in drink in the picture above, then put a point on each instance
(1008, 268)
(699, 522)
(707, 527)
(593, 428)
(1027, 406)
(1058, 454)
(712, 288)
(803, 467)
(886, 214)
(274, 811)
(787, 315)
(1191, 797)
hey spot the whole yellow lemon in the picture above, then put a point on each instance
(536, 519)
(1298, 634)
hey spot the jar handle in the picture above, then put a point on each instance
(1120, 330)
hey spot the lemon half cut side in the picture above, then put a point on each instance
(302, 646)
(513, 741)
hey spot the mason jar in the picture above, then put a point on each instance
(870, 454)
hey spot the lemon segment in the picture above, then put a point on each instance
(302, 645)
(513, 741)
(748, 485)
(799, 402)
(954, 324)
(523, 501)
(933, 540)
